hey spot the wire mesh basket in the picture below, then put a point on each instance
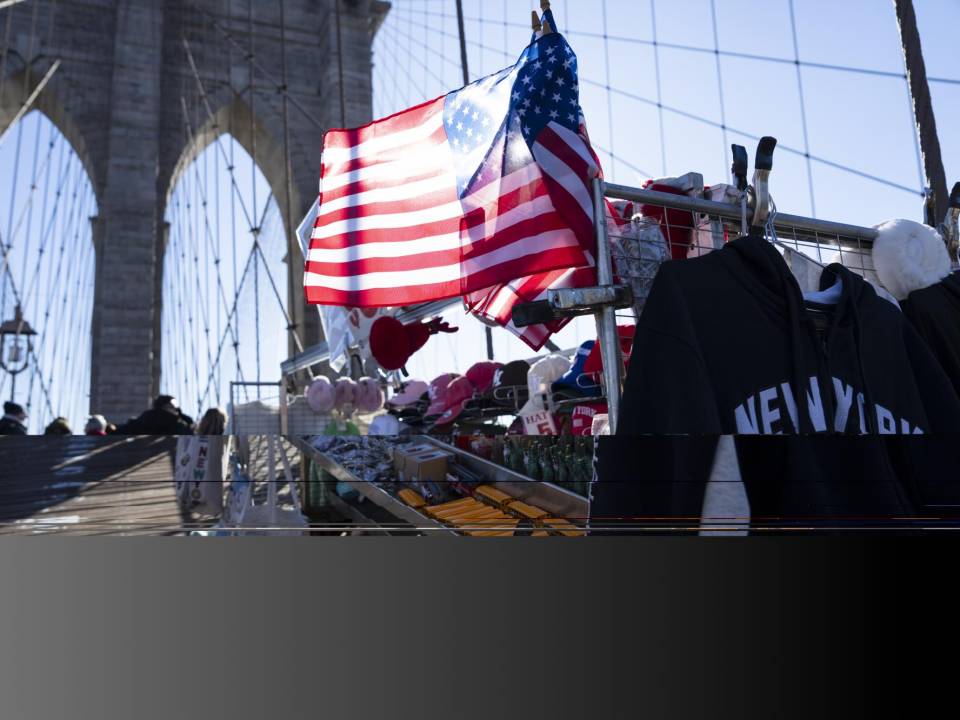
(652, 227)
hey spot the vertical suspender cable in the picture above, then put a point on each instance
(5, 49)
(926, 125)
(488, 331)
(656, 66)
(724, 157)
(343, 101)
(290, 229)
(803, 109)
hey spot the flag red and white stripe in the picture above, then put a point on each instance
(392, 230)
(569, 166)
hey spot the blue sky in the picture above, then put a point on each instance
(853, 119)
(858, 120)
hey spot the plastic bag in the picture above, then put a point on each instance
(201, 467)
(270, 518)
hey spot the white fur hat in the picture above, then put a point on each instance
(909, 256)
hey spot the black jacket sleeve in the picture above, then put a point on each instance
(667, 389)
(940, 402)
(659, 480)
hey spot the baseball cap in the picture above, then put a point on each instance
(594, 364)
(512, 375)
(412, 390)
(437, 392)
(457, 393)
(573, 379)
(481, 375)
(546, 371)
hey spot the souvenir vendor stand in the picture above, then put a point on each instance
(692, 220)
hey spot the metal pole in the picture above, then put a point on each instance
(606, 318)
(464, 67)
(463, 44)
(343, 101)
(936, 178)
(293, 299)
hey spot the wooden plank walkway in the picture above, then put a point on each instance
(88, 485)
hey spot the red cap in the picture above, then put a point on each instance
(481, 375)
(676, 226)
(458, 392)
(594, 362)
(438, 393)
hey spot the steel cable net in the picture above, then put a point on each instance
(47, 206)
(223, 319)
(666, 88)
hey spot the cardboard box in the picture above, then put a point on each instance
(401, 453)
(429, 465)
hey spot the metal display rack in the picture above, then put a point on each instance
(743, 208)
(556, 500)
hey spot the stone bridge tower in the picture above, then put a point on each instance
(116, 96)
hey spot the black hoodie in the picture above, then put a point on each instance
(935, 313)
(727, 345)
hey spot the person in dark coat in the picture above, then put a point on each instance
(14, 420)
(164, 418)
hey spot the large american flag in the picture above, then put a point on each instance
(483, 187)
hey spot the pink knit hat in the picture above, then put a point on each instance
(344, 393)
(320, 396)
(369, 395)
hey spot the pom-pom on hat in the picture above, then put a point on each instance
(909, 256)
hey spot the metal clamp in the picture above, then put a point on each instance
(570, 302)
(739, 167)
(759, 191)
(950, 227)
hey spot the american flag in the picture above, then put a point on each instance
(461, 195)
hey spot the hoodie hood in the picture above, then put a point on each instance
(751, 355)
(757, 263)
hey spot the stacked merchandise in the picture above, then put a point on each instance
(565, 461)
(428, 478)
(729, 343)
(551, 396)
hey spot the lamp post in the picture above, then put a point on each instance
(15, 347)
